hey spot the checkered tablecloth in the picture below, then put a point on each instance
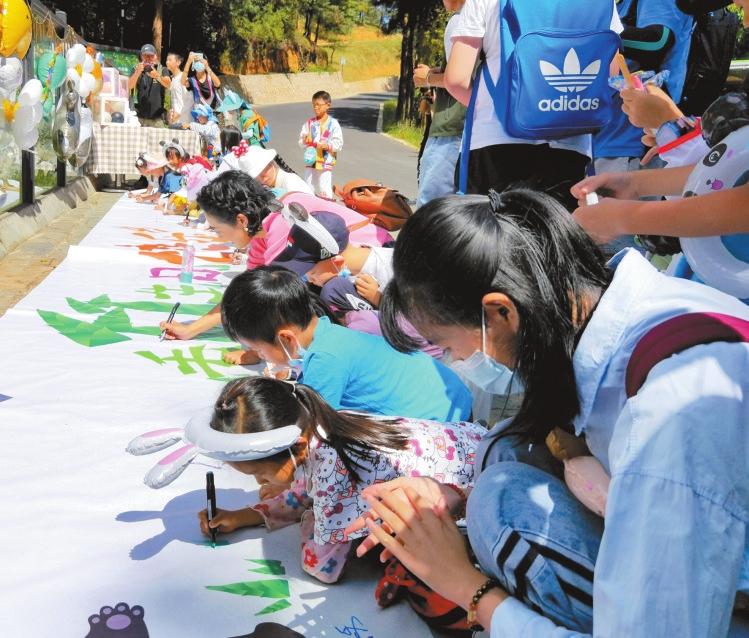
(116, 148)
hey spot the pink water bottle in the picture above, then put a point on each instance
(188, 262)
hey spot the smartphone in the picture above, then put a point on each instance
(198, 56)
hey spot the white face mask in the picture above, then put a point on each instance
(484, 372)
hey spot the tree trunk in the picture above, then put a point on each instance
(405, 84)
(317, 30)
(158, 26)
(309, 17)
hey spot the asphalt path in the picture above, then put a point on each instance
(366, 154)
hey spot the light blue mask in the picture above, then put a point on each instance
(484, 372)
(294, 362)
(345, 273)
(199, 66)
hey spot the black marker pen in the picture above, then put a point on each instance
(210, 492)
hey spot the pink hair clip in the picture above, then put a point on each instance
(241, 149)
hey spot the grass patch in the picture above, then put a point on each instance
(404, 131)
(368, 53)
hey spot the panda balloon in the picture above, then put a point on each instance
(722, 261)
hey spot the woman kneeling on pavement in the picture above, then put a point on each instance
(670, 431)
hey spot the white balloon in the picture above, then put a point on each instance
(27, 140)
(88, 64)
(75, 79)
(88, 84)
(24, 120)
(76, 55)
(11, 76)
(31, 93)
(38, 112)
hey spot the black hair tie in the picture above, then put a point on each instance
(495, 201)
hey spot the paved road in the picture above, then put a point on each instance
(365, 153)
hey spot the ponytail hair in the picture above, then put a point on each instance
(283, 165)
(231, 136)
(521, 243)
(260, 404)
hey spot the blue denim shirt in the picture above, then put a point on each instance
(674, 550)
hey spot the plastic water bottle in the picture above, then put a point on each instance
(188, 262)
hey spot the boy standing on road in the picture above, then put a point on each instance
(322, 139)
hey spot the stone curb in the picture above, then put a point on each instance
(22, 222)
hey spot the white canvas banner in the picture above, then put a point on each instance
(82, 372)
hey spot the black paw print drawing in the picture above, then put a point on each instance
(120, 621)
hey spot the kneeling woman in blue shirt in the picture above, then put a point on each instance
(271, 311)
(672, 431)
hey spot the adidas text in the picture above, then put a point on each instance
(564, 103)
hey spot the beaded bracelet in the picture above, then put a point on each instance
(490, 583)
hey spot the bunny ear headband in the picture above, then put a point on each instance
(200, 438)
(297, 215)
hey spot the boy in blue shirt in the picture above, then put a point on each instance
(271, 311)
(656, 37)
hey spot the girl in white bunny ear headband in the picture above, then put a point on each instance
(311, 462)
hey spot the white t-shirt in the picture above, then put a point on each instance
(292, 183)
(480, 19)
(379, 265)
(177, 93)
(452, 24)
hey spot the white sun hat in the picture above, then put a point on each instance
(248, 159)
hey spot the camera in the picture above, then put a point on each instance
(148, 68)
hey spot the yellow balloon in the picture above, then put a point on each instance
(15, 28)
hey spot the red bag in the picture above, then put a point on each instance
(676, 335)
(385, 207)
(434, 610)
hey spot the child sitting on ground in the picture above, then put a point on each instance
(321, 139)
(270, 310)
(334, 458)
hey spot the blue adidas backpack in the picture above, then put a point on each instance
(553, 80)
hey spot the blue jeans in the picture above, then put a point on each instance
(437, 169)
(530, 533)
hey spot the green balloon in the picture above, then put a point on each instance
(59, 69)
(42, 65)
(59, 72)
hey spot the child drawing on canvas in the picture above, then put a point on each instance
(318, 480)
(153, 169)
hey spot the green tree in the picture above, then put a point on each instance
(413, 18)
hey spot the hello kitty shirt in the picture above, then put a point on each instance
(326, 501)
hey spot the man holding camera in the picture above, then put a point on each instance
(150, 80)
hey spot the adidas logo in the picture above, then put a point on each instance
(570, 79)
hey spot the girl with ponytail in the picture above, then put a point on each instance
(319, 479)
